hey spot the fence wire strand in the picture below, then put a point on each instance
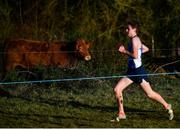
(85, 78)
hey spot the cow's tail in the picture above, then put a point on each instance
(3, 44)
(3, 90)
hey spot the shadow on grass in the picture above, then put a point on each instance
(70, 103)
(4, 93)
(106, 108)
(80, 105)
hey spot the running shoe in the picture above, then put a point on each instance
(119, 117)
(170, 112)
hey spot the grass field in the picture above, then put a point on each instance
(87, 104)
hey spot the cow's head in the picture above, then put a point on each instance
(82, 48)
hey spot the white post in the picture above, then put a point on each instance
(152, 41)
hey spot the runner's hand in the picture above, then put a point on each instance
(122, 49)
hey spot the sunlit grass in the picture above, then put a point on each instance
(87, 104)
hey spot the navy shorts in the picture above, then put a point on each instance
(137, 75)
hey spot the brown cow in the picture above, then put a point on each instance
(28, 54)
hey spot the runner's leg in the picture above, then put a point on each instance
(122, 84)
(152, 94)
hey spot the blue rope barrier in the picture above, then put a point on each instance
(84, 78)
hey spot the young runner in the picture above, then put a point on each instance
(135, 67)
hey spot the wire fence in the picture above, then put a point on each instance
(90, 77)
(85, 78)
(92, 51)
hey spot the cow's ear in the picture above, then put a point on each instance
(88, 44)
(78, 44)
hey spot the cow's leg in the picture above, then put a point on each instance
(8, 67)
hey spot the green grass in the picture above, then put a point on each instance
(87, 104)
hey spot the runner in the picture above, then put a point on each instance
(135, 67)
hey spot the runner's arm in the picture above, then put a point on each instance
(144, 48)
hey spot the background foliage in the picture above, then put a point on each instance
(98, 21)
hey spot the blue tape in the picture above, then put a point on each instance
(84, 78)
